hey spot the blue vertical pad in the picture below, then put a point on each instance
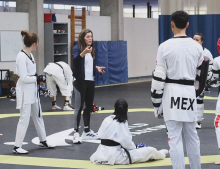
(208, 25)
(101, 59)
(117, 62)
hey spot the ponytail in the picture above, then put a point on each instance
(29, 38)
(121, 110)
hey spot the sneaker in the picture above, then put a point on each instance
(55, 107)
(67, 108)
(76, 138)
(19, 150)
(91, 135)
(198, 125)
(45, 144)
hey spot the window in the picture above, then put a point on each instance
(56, 6)
(46, 6)
(1, 3)
(128, 10)
(96, 8)
(12, 4)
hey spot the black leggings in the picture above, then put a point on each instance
(84, 93)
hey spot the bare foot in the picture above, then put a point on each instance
(217, 163)
(1, 134)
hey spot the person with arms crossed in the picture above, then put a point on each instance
(173, 92)
(27, 95)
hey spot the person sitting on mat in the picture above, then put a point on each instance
(117, 146)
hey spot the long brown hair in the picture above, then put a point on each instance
(29, 38)
(82, 43)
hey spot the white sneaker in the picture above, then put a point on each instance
(198, 125)
(68, 108)
(76, 138)
(91, 135)
(45, 144)
(20, 151)
(55, 107)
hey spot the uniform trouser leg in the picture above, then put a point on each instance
(176, 144)
(79, 90)
(89, 97)
(192, 144)
(217, 128)
(200, 109)
(146, 153)
(26, 111)
(22, 124)
(38, 121)
(51, 85)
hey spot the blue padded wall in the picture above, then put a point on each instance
(209, 25)
(117, 62)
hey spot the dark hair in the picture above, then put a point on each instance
(180, 18)
(29, 38)
(121, 110)
(82, 43)
(201, 36)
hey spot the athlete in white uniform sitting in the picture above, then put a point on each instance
(117, 146)
(198, 37)
(173, 85)
(60, 74)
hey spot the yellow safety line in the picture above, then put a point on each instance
(210, 98)
(123, 83)
(100, 112)
(69, 163)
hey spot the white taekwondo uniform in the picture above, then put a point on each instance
(113, 130)
(216, 74)
(62, 76)
(180, 57)
(200, 104)
(27, 98)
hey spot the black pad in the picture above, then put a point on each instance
(203, 76)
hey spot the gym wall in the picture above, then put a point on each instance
(12, 21)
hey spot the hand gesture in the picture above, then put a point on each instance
(88, 49)
(101, 69)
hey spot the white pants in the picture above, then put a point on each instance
(65, 89)
(217, 128)
(188, 130)
(200, 107)
(26, 111)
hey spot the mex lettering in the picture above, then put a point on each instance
(181, 103)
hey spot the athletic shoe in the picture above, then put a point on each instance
(55, 107)
(45, 144)
(67, 108)
(198, 125)
(91, 135)
(19, 150)
(76, 138)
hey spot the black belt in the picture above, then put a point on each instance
(111, 143)
(182, 82)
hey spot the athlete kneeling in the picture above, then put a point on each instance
(117, 146)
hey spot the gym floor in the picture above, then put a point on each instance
(144, 126)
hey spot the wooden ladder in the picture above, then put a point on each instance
(74, 35)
